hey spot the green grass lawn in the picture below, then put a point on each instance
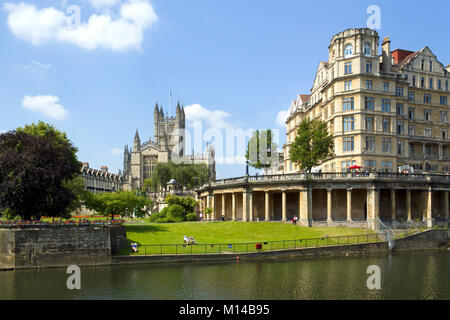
(271, 234)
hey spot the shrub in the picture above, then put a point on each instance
(176, 213)
(191, 217)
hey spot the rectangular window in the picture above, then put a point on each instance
(411, 130)
(369, 124)
(423, 64)
(427, 98)
(400, 127)
(411, 95)
(427, 131)
(386, 125)
(349, 124)
(443, 116)
(414, 81)
(386, 86)
(431, 66)
(370, 163)
(348, 144)
(431, 83)
(348, 67)
(348, 85)
(369, 103)
(446, 85)
(422, 82)
(400, 147)
(443, 100)
(369, 85)
(386, 105)
(440, 84)
(399, 91)
(368, 67)
(348, 104)
(370, 144)
(400, 109)
(444, 133)
(427, 114)
(411, 113)
(386, 145)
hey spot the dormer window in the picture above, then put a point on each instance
(367, 49)
(348, 51)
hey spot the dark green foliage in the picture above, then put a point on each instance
(176, 213)
(179, 209)
(312, 145)
(123, 203)
(261, 151)
(34, 171)
(191, 217)
(187, 175)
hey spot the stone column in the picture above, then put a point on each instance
(429, 212)
(208, 205)
(250, 205)
(349, 204)
(233, 206)
(223, 206)
(272, 209)
(283, 205)
(408, 205)
(266, 206)
(306, 207)
(440, 151)
(213, 205)
(393, 204)
(244, 206)
(329, 206)
(373, 208)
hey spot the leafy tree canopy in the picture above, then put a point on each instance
(312, 145)
(123, 203)
(34, 173)
(261, 151)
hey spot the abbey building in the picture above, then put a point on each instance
(168, 144)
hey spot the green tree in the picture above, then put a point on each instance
(261, 151)
(312, 145)
(34, 174)
(123, 203)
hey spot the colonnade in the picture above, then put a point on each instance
(360, 204)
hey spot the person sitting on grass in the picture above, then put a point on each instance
(186, 239)
(191, 240)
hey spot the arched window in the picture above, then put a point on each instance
(348, 50)
(367, 49)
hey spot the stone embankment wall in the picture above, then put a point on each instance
(60, 246)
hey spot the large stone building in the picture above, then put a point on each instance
(100, 181)
(384, 109)
(168, 144)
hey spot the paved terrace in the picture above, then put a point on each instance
(329, 199)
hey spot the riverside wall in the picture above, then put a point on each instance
(60, 246)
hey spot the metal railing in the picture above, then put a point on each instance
(264, 246)
(334, 175)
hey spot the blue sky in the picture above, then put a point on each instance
(239, 63)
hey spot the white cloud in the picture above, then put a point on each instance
(122, 31)
(36, 65)
(103, 3)
(281, 118)
(48, 105)
(116, 151)
(216, 119)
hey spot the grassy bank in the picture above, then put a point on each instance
(229, 233)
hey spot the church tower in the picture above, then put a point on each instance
(136, 162)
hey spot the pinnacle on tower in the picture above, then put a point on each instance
(156, 108)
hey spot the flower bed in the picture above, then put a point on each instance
(40, 223)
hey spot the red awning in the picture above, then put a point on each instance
(355, 167)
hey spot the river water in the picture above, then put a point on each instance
(412, 275)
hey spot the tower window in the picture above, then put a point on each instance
(348, 51)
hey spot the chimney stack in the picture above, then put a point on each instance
(387, 55)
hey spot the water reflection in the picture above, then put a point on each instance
(418, 275)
